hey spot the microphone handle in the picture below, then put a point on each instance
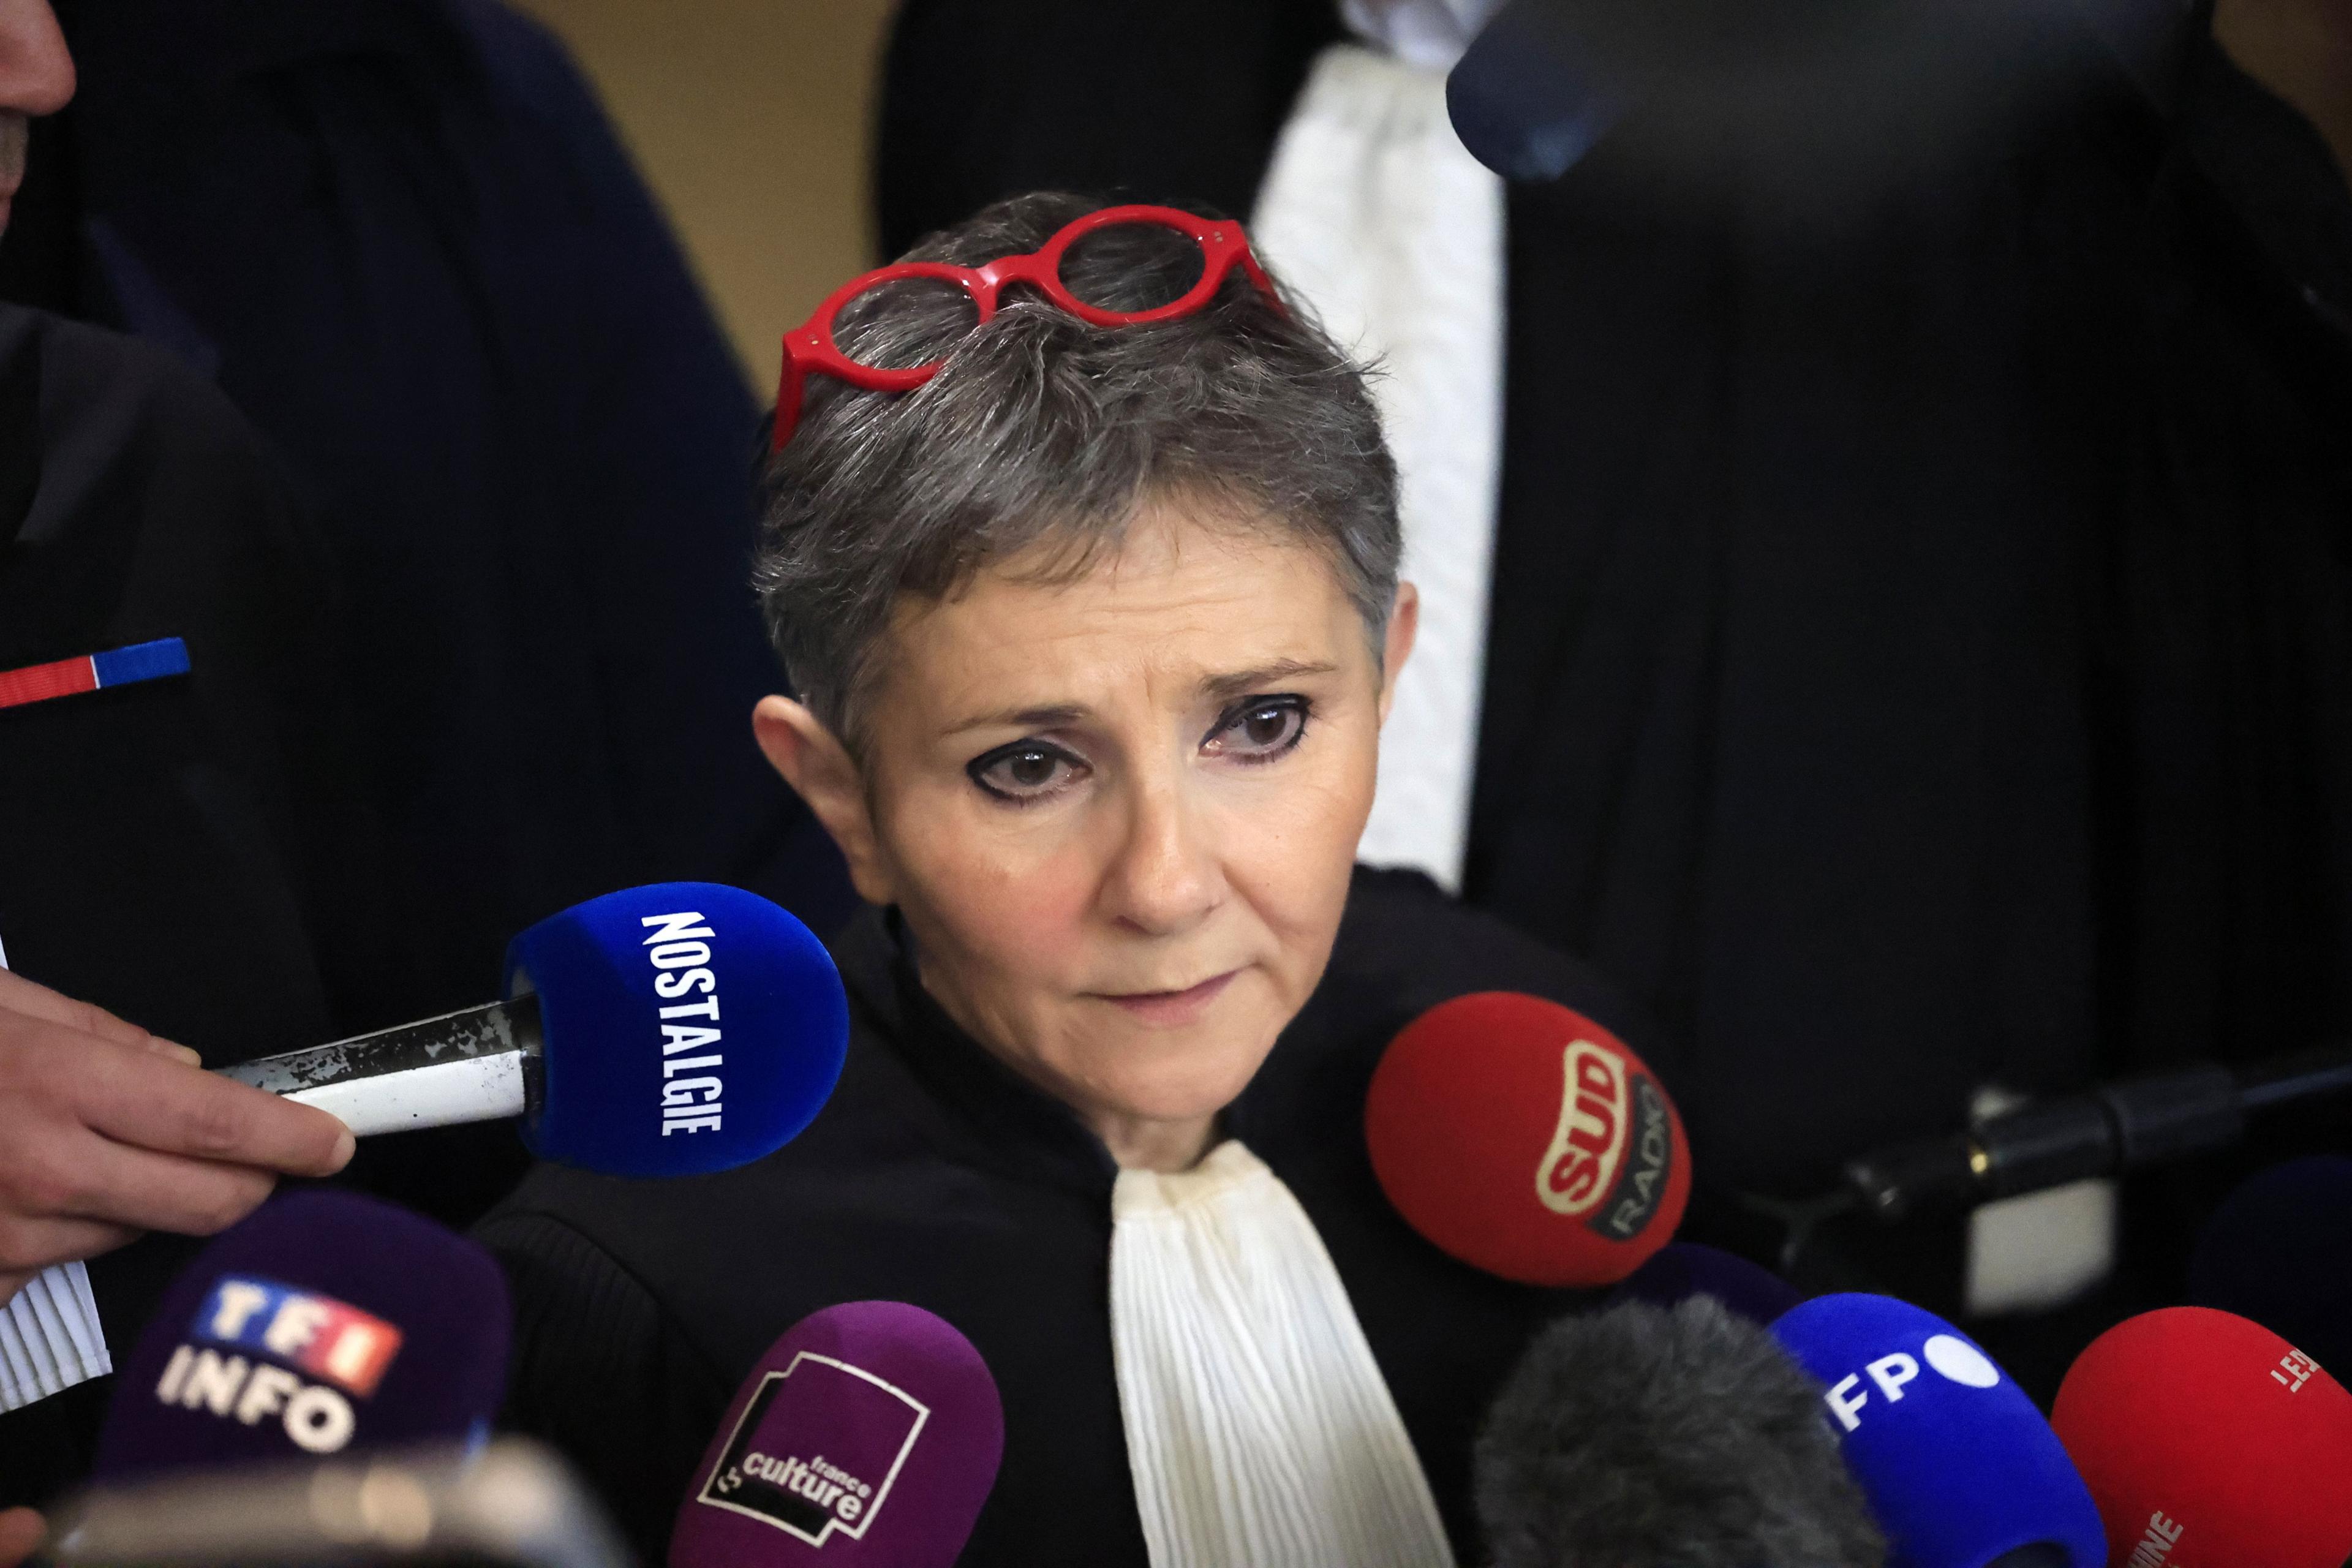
(2119, 1127)
(2327, 1071)
(475, 1064)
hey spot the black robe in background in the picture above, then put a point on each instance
(936, 1176)
(403, 238)
(1921, 645)
(197, 853)
(482, 587)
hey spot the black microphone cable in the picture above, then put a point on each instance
(2112, 1129)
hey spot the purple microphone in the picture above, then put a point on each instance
(323, 1323)
(1681, 1269)
(869, 1434)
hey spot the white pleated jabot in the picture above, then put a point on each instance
(1259, 1430)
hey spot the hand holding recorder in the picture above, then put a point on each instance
(106, 1131)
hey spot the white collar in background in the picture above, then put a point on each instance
(1373, 212)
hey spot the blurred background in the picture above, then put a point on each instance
(754, 121)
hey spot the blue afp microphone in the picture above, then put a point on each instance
(323, 1323)
(1958, 1465)
(674, 1029)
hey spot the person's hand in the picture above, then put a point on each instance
(21, 1530)
(106, 1130)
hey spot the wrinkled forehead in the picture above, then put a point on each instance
(1182, 610)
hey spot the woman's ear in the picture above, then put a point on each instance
(1404, 621)
(822, 772)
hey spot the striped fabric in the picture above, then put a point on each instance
(93, 671)
(49, 1337)
(1258, 1429)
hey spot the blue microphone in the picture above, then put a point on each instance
(1530, 97)
(674, 1029)
(2279, 1251)
(1959, 1466)
(1848, 91)
(323, 1323)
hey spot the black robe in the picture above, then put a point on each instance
(404, 239)
(1921, 642)
(937, 1177)
(198, 853)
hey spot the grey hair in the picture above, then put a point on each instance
(1040, 430)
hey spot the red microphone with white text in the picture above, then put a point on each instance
(1526, 1140)
(2210, 1442)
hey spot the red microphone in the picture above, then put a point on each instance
(1526, 1140)
(2210, 1442)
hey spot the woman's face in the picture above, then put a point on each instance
(1119, 813)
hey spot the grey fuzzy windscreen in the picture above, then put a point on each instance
(1652, 1437)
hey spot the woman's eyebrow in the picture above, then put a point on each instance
(1246, 682)
(1220, 688)
(1048, 718)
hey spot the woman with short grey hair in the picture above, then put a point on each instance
(1080, 550)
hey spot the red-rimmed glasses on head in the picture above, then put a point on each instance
(811, 350)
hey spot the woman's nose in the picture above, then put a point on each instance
(1166, 879)
(36, 74)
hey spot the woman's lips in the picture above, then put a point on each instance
(1168, 1009)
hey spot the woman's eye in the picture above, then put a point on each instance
(1030, 770)
(1023, 770)
(1260, 729)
